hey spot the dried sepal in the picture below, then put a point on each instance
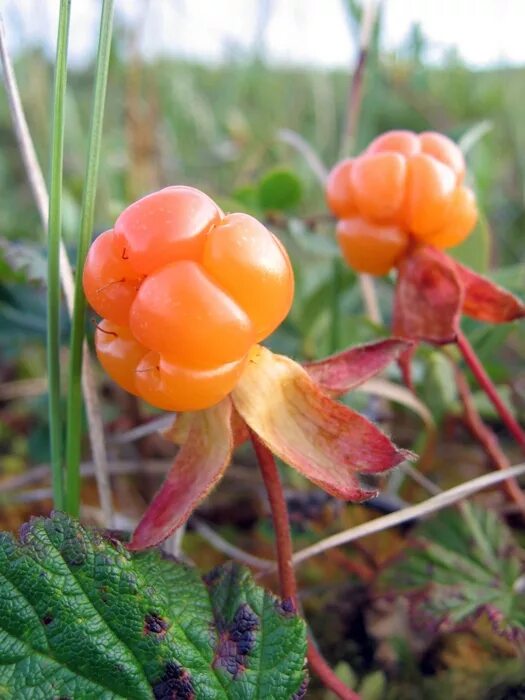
(322, 439)
(428, 297)
(348, 369)
(486, 301)
(198, 467)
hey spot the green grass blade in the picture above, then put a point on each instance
(74, 399)
(53, 260)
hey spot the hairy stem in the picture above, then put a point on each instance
(281, 522)
(488, 387)
(283, 543)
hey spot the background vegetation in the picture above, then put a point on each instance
(219, 128)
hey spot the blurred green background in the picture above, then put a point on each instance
(220, 127)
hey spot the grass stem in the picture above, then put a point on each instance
(53, 256)
(74, 399)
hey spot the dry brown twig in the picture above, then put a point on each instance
(41, 197)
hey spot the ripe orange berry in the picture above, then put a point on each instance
(339, 195)
(405, 182)
(240, 250)
(176, 388)
(110, 284)
(369, 247)
(378, 185)
(191, 291)
(404, 142)
(462, 217)
(430, 189)
(181, 313)
(119, 353)
(443, 149)
(165, 226)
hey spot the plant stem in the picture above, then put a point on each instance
(355, 93)
(488, 387)
(39, 191)
(281, 522)
(283, 542)
(327, 676)
(487, 438)
(74, 403)
(350, 127)
(53, 256)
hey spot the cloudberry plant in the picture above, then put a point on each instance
(403, 189)
(185, 292)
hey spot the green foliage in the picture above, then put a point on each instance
(474, 252)
(279, 190)
(81, 617)
(21, 261)
(463, 562)
(439, 384)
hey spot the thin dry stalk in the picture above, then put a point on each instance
(431, 505)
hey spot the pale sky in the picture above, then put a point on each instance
(485, 32)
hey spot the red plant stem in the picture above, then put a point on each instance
(281, 523)
(488, 387)
(287, 581)
(487, 439)
(328, 677)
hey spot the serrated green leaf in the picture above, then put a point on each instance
(279, 190)
(83, 618)
(463, 562)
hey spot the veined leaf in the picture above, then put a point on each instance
(83, 618)
(464, 563)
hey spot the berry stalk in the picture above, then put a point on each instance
(287, 580)
(488, 387)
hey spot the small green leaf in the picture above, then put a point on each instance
(439, 385)
(464, 562)
(248, 196)
(279, 190)
(373, 686)
(83, 618)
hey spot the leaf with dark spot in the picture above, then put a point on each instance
(236, 641)
(94, 620)
(175, 684)
(155, 624)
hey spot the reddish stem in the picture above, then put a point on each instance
(488, 387)
(328, 677)
(283, 543)
(487, 439)
(281, 523)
